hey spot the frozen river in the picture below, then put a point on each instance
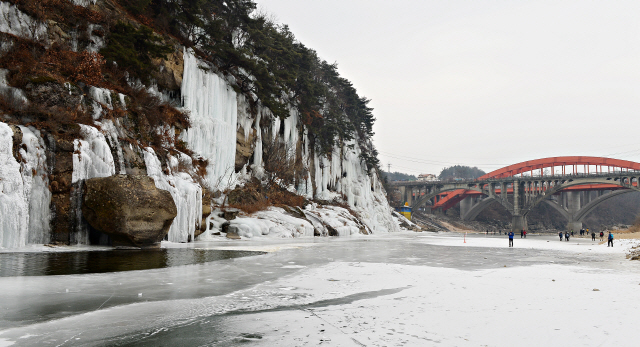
(404, 289)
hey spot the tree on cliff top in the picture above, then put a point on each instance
(460, 172)
(267, 61)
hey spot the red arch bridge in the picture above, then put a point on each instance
(573, 186)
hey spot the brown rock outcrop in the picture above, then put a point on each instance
(128, 208)
(244, 147)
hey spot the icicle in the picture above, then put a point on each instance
(100, 97)
(245, 119)
(213, 107)
(92, 156)
(186, 194)
(109, 130)
(14, 207)
(36, 183)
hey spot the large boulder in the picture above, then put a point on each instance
(129, 208)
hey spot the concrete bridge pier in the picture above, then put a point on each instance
(573, 205)
(465, 205)
(519, 223)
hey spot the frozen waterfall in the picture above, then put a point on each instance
(213, 107)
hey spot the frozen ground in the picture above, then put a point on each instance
(401, 289)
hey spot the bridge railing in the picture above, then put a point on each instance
(545, 177)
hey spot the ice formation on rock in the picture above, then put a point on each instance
(100, 97)
(213, 110)
(15, 22)
(8, 91)
(245, 119)
(36, 185)
(14, 206)
(338, 218)
(92, 155)
(95, 42)
(274, 222)
(186, 193)
(84, 3)
(110, 130)
(91, 158)
(345, 173)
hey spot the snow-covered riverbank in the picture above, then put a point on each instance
(413, 289)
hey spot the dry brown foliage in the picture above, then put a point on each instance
(27, 60)
(254, 197)
(61, 11)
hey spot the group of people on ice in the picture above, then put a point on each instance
(586, 232)
(568, 235)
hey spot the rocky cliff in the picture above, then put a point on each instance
(97, 88)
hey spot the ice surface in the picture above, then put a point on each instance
(186, 193)
(15, 22)
(213, 107)
(14, 206)
(384, 289)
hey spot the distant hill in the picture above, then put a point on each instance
(460, 171)
(399, 176)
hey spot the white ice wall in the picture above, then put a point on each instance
(36, 185)
(186, 193)
(213, 110)
(92, 155)
(344, 172)
(14, 206)
(91, 158)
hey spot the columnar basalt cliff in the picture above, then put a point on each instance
(219, 106)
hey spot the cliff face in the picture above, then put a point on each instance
(201, 129)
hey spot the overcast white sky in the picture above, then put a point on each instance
(483, 83)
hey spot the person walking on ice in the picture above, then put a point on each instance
(560, 234)
(601, 235)
(511, 239)
(610, 240)
(593, 236)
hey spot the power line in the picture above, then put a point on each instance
(434, 162)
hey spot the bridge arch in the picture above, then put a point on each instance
(563, 162)
(622, 182)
